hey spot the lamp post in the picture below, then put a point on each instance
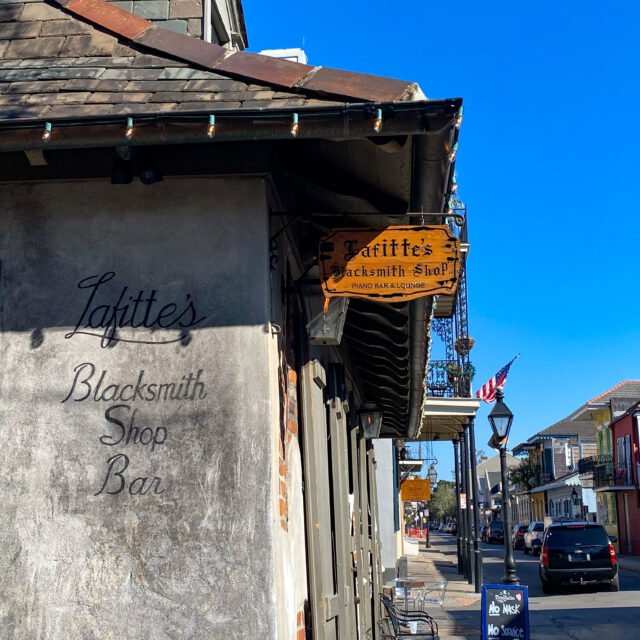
(500, 419)
(432, 474)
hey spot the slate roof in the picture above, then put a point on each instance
(626, 389)
(88, 58)
(567, 427)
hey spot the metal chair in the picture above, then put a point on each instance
(431, 594)
(425, 626)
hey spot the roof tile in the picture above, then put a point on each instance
(86, 84)
(132, 74)
(41, 47)
(98, 43)
(35, 86)
(64, 28)
(9, 30)
(10, 11)
(40, 11)
(122, 97)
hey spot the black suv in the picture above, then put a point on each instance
(495, 532)
(578, 553)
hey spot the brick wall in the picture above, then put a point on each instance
(182, 16)
(288, 431)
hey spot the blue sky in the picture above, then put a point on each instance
(547, 167)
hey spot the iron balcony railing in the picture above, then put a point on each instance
(539, 479)
(612, 475)
(449, 379)
(588, 465)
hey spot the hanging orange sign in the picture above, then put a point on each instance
(389, 264)
(415, 490)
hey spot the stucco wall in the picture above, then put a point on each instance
(129, 510)
(386, 505)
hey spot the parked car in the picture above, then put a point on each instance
(483, 532)
(533, 537)
(578, 553)
(495, 532)
(517, 535)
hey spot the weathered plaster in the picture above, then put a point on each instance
(193, 556)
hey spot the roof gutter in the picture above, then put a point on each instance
(345, 121)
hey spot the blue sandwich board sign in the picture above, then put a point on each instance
(505, 612)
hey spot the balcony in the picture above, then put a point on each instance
(539, 479)
(587, 466)
(448, 379)
(612, 477)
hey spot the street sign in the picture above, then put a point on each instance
(389, 264)
(463, 500)
(412, 490)
(505, 612)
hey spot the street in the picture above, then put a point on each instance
(576, 612)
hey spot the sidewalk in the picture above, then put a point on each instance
(459, 616)
(629, 563)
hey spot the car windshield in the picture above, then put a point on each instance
(577, 536)
(497, 524)
(523, 528)
(538, 526)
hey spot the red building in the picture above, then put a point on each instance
(625, 434)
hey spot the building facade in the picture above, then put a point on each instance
(183, 411)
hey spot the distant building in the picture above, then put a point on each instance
(490, 487)
(553, 453)
(595, 470)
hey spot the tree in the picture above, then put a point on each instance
(443, 501)
(525, 474)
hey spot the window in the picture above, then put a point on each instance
(623, 460)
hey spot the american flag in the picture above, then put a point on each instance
(488, 391)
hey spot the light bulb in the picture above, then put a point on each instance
(377, 123)
(459, 117)
(46, 132)
(211, 128)
(453, 152)
(294, 125)
(128, 132)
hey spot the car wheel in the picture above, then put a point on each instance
(614, 585)
(547, 586)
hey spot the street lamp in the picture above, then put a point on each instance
(500, 419)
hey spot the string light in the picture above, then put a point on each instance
(459, 117)
(294, 125)
(128, 132)
(454, 185)
(453, 152)
(211, 129)
(46, 132)
(377, 123)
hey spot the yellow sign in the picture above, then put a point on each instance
(389, 264)
(415, 490)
